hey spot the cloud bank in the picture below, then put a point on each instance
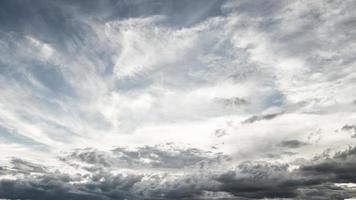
(151, 173)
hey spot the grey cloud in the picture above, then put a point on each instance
(53, 187)
(325, 191)
(42, 183)
(281, 154)
(22, 166)
(35, 181)
(292, 144)
(231, 102)
(351, 128)
(340, 168)
(220, 132)
(257, 181)
(250, 180)
(147, 157)
(314, 180)
(174, 158)
(256, 118)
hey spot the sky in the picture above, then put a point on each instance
(177, 99)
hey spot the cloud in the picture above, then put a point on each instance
(292, 144)
(259, 118)
(148, 157)
(261, 180)
(350, 128)
(250, 179)
(111, 181)
(232, 102)
(338, 169)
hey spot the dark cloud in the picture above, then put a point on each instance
(40, 182)
(253, 180)
(315, 180)
(232, 102)
(281, 154)
(340, 169)
(292, 144)
(250, 180)
(255, 118)
(351, 128)
(58, 186)
(325, 191)
(220, 132)
(108, 182)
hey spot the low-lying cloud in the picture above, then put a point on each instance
(251, 179)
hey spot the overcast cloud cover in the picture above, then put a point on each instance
(177, 99)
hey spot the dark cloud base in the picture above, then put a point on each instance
(104, 176)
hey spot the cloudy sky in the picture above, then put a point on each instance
(177, 99)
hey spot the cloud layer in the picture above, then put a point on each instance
(151, 173)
